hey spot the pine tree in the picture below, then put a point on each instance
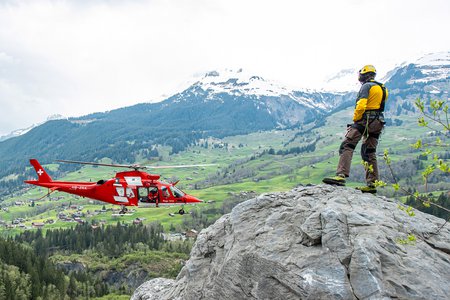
(72, 288)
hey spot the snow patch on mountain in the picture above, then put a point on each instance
(433, 66)
(434, 59)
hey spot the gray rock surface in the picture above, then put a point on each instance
(319, 242)
(150, 290)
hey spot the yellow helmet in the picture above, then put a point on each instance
(368, 69)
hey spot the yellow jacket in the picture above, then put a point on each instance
(369, 98)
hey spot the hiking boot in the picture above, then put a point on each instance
(367, 189)
(335, 180)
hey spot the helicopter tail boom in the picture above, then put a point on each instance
(43, 177)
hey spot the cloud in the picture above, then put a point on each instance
(76, 57)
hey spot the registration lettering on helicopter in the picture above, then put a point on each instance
(78, 187)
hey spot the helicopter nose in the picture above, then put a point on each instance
(192, 199)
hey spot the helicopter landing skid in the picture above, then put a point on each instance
(123, 210)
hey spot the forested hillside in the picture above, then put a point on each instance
(70, 263)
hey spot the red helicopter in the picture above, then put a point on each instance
(129, 188)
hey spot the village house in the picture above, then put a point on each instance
(62, 216)
(191, 233)
(38, 224)
(174, 237)
(79, 220)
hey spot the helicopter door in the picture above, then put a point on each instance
(153, 195)
(149, 195)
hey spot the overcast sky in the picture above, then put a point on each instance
(76, 57)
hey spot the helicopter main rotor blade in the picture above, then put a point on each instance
(99, 164)
(136, 167)
(178, 166)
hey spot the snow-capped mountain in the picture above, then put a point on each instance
(426, 78)
(285, 105)
(432, 67)
(241, 83)
(20, 132)
(434, 59)
(429, 74)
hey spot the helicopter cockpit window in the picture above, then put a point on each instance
(165, 192)
(130, 193)
(176, 192)
(120, 191)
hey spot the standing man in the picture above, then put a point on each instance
(368, 122)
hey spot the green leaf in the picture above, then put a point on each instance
(426, 152)
(444, 167)
(379, 183)
(417, 145)
(422, 123)
(410, 211)
(420, 104)
(429, 169)
(386, 157)
(396, 186)
(411, 238)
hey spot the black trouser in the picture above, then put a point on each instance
(370, 131)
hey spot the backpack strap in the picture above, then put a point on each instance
(383, 99)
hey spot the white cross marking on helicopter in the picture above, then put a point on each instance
(40, 172)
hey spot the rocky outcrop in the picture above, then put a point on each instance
(319, 242)
(130, 276)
